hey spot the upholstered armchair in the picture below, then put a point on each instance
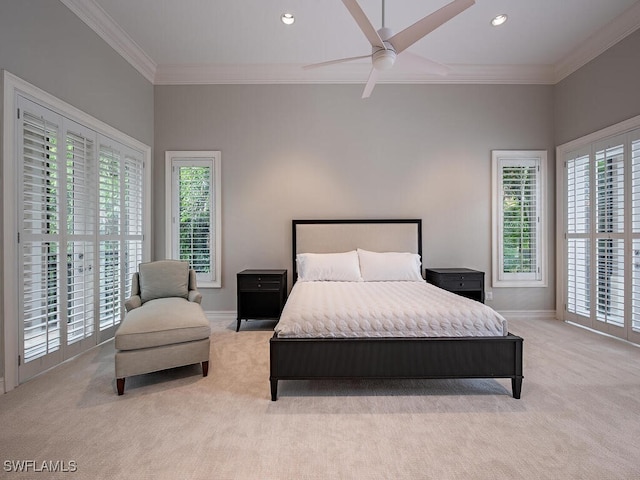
(165, 326)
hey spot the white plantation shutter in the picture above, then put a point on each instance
(120, 232)
(635, 231)
(80, 169)
(60, 234)
(194, 216)
(609, 193)
(578, 212)
(520, 218)
(518, 210)
(81, 200)
(133, 208)
(578, 235)
(40, 235)
(109, 244)
(602, 250)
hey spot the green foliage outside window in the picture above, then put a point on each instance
(519, 225)
(195, 217)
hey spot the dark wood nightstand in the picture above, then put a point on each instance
(261, 294)
(463, 281)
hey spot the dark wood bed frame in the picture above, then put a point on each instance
(380, 358)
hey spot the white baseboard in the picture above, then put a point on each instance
(529, 314)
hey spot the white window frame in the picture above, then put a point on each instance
(213, 158)
(518, 157)
(12, 88)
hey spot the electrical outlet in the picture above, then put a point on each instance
(488, 296)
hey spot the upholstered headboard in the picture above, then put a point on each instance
(333, 236)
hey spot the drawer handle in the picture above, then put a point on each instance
(259, 286)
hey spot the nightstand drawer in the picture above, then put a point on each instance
(461, 284)
(260, 282)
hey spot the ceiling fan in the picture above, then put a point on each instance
(386, 46)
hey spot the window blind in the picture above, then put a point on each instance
(609, 193)
(195, 221)
(519, 207)
(519, 215)
(40, 236)
(109, 186)
(133, 208)
(80, 244)
(79, 208)
(578, 229)
(635, 228)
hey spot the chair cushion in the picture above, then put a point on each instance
(164, 321)
(164, 278)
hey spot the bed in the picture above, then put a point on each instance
(476, 346)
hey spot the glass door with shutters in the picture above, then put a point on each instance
(602, 237)
(80, 236)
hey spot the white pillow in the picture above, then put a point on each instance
(389, 266)
(334, 267)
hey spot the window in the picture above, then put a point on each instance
(75, 207)
(193, 203)
(600, 261)
(518, 218)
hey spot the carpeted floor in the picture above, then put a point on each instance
(578, 418)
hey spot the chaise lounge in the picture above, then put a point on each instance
(165, 326)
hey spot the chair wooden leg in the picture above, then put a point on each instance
(120, 385)
(205, 368)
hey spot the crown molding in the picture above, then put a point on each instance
(101, 23)
(200, 74)
(194, 74)
(599, 42)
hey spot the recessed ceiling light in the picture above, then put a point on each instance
(499, 19)
(287, 18)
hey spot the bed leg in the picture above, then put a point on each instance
(274, 389)
(516, 386)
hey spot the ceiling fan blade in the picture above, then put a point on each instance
(410, 35)
(368, 88)
(413, 60)
(331, 62)
(363, 22)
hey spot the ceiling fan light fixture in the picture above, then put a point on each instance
(287, 18)
(499, 19)
(383, 59)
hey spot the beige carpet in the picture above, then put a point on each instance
(578, 418)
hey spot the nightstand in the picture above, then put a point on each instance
(261, 294)
(463, 281)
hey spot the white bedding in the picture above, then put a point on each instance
(384, 309)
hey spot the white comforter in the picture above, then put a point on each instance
(384, 309)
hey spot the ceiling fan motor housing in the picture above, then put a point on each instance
(384, 58)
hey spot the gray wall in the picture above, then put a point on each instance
(44, 43)
(319, 151)
(47, 45)
(604, 92)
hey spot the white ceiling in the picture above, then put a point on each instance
(244, 41)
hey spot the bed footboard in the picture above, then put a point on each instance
(442, 357)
